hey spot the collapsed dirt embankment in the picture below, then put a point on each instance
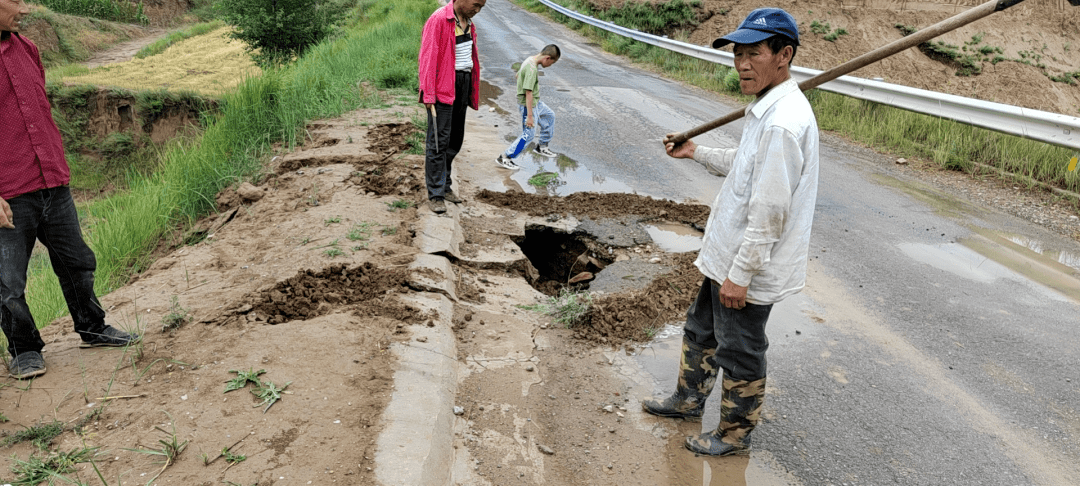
(1025, 56)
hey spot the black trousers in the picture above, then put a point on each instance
(449, 124)
(737, 334)
(47, 216)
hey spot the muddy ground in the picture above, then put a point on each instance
(1039, 39)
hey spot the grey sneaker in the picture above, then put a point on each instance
(543, 150)
(27, 365)
(110, 337)
(506, 162)
(437, 206)
(451, 197)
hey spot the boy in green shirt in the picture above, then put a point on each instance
(528, 86)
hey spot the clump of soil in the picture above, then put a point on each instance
(599, 206)
(635, 316)
(313, 293)
(390, 136)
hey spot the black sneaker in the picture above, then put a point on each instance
(27, 365)
(110, 337)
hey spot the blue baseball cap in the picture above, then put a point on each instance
(760, 25)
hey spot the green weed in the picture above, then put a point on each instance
(389, 230)
(242, 379)
(399, 204)
(360, 231)
(175, 317)
(269, 393)
(232, 458)
(333, 252)
(544, 179)
(330, 221)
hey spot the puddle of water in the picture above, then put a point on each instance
(572, 176)
(956, 260)
(489, 95)
(1048, 271)
(675, 238)
(1068, 259)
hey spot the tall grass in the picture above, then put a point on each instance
(115, 10)
(122, 229)
(947, 143)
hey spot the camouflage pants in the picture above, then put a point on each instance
(738, 335)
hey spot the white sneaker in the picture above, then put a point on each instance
(506, 162)
(543, 150)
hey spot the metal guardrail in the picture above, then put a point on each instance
(1044, 126)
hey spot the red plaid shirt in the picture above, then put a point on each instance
(31, 152)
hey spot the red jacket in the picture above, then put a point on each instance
(31, 152)
(437, 60)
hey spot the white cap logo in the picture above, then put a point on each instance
(761, 21)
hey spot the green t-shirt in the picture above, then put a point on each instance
(528, 80)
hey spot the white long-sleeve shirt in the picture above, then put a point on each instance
(758, 233)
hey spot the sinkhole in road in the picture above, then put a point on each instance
(562, 259)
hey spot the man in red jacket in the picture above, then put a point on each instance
(449, 83)
(36, 205)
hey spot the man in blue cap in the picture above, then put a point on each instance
(754, 252)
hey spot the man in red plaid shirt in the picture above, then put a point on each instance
(36, 205)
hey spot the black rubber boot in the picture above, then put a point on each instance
(696, 380)
(740, 410)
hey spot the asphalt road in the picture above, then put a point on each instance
(932, 345)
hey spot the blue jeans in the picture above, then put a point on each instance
(737, 334)
(544, 117)
(48, 216)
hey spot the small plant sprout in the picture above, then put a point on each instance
(242, 378)
(330, 221)
(175, 317)
(399, 204)
(389, 230)
(170, 448)
(360, 231)
(231, 457)
(269, 393)
(333, 252)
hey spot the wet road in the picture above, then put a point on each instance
(936, 342)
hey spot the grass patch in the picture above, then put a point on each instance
(399, 204)
(159, 46)
(77, 36)
(380, 47)
(544, 179)
(35, 470)
(41, 435)
(566, 309)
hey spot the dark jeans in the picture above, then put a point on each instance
(48, 216)
(450, 124)
(738, 335)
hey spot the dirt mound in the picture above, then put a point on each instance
(1017, 50)
(313, 293)
(599, 206)
(637, 315)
